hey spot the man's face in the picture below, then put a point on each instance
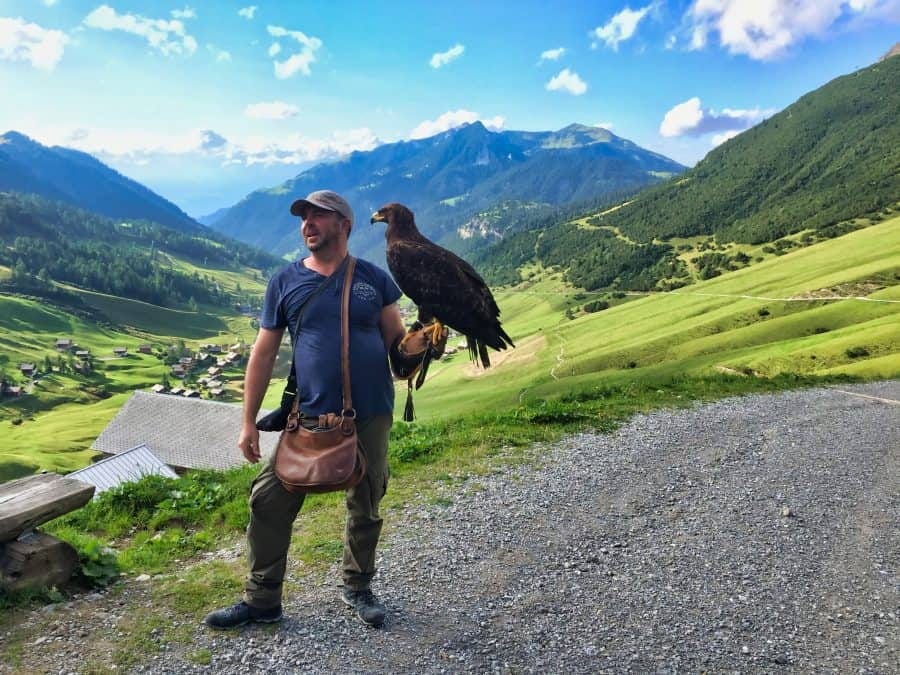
(321, 228)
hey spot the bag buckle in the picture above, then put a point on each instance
(293, 421)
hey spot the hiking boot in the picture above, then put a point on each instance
(240, 614)
(367, 607)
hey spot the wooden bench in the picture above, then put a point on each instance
(29, 558)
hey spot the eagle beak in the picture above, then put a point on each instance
(377, 218)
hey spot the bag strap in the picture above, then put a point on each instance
(290, 389)
(350, 263)
(345, 338)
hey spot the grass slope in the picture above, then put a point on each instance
(698, 330)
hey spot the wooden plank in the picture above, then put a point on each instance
(27, 502)
(37, 560)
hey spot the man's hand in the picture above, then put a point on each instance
(248, 442)
(419, 338)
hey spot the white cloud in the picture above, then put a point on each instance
(766, 29)
(220, 55)
(452, 119)
(247, 12)
(21, 41)
(691, 119)
(671, 40)
(569, 81)
(274, 49)
(167, 36)
(271, 110)
(552, 54)
(605, 125)
(621, 27)
(718, 139)
(49, 3)
(299, 61)
(186, 13)
(443, 58)
(138, 146)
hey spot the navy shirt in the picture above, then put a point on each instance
(317, 349)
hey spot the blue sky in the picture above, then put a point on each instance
(205, 101)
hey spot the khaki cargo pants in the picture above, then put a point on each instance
(273, 511)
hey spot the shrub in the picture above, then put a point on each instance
(762, 311)
(857, 352)
(596, 306)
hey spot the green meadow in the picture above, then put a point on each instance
(763, 321)
(699, 330)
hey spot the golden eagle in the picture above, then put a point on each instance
(445, 288)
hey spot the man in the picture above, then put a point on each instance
(376, 329)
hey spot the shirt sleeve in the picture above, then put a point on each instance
(390, 292)
(272, 314)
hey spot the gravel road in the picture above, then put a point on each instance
(754, 535)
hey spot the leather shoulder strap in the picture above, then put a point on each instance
(345, 335)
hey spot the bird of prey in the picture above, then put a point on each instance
(445, 288)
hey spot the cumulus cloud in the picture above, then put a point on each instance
(298, 61)
(247, 12)
(443, 58)
(186, 13)
(552, 54)
(220, 55)
(568, 81)
(605, 125)
(452, 119)
(768, 28)
(621, 27)
(139, 147)
(28, 42)
(274, 49)
(691, 119)
(166, 36)
(271, 110)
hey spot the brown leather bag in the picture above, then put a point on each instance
(326, 457)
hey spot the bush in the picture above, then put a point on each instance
(596, 306)
(762, 311)
(857, 352)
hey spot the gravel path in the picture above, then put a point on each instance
(755, 534)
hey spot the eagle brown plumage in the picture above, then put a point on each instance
(443, 286)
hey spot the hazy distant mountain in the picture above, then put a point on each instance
(81, 180)
(451, 177)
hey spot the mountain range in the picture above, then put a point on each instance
(79, 179)
(450, 178)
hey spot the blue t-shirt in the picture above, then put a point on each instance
(317, 349)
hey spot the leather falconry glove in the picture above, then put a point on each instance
(411, 355)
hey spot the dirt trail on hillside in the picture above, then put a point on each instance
(755, 534)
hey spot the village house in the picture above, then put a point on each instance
(191, 393)
(125, 467)
(217, 393)
(178, 370)
(64, 344)
(176, 391)
(159, 389)
(232, 357)
(213, 349)
(214, 384)
(27, 369)
(214, 370)
(83, 354)
(9, 390)
(186, 361)
(120, 351)
(221, 363)
(145, 349)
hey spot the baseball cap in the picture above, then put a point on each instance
(324, 199)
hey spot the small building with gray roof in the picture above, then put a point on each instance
(185, 433)
(126, 467)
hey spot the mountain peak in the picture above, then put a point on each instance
(16, 137)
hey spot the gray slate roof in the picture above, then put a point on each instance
(183, 432)
(126, 467)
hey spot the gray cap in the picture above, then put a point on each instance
(324, 199)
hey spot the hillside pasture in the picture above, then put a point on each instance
(742, 322)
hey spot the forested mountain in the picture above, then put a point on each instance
(43, 241)
(827, 159)
(81, 180)
(451, 178)
(832, 155)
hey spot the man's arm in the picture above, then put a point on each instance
(391, 324)
(256, 381)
